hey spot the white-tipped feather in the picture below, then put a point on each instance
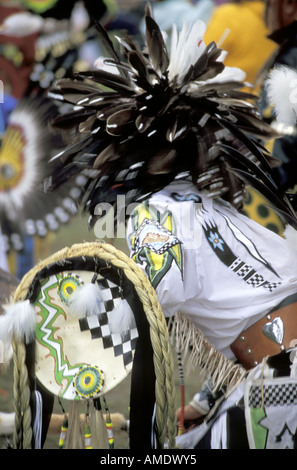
(100, 64)
(281, 88)
(85, 301)
(229, 74)
(186, 48)
(121, 318)
(18, 321)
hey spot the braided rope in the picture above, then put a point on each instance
(23, 431)
(162, 354)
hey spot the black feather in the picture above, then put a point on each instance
(282, 206)
(156, 46)
(239, 158)
(107, 43)
(248, 142)
(110, 80)
(71, 119)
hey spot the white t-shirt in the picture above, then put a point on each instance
(205, 259)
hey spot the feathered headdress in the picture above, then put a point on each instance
(159, 115)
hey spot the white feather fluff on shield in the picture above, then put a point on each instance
(17, 321)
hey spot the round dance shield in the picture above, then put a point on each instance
(81, 357)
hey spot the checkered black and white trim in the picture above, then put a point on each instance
(273, 395)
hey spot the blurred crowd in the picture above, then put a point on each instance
(255, 34)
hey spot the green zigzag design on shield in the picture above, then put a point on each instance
(45, 332)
